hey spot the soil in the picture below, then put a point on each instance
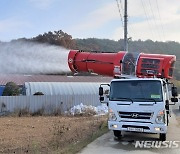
(45, 134)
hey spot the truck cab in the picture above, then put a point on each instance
(139, 105)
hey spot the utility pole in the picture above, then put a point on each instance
(125, 27)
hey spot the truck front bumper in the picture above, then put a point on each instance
(137, 127)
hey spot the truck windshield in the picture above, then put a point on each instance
(137, 91)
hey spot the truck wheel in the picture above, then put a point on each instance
(117, 133)
(162, 137)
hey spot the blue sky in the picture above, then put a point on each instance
(148, 19)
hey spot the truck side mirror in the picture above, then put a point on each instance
(174, 99)
(174, 91)
(101, 98)
(100, 91)
(167, 106)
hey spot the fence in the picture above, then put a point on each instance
(49, 104)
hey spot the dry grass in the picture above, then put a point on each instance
(49, 134)
(25, 112)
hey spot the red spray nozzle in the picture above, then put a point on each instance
(116, 64)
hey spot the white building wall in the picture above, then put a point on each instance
(48, 103)
(58, 96)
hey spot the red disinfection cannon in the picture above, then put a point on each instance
(122, 63)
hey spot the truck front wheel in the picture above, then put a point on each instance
(117, 133)
(162, 137)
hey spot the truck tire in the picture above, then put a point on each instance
(117, 133)
(162, 137)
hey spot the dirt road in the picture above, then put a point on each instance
(108, 144)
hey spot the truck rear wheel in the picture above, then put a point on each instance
(117, 133)
(162, 137)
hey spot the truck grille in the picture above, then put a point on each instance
(135, 115)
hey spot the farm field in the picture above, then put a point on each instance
(48, 134)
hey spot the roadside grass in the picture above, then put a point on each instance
(78, 146)
(73, 147)
(25, 112)
(35, 148)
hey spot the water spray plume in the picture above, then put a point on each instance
(22, 57)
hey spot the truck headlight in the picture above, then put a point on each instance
(160, 117)
(112, 116)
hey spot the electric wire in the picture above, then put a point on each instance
(154, 19)
(120, 1)
(147, 18)
(161, 23)
(119, 10)
(131, 27)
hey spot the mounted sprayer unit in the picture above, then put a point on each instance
(122, 63)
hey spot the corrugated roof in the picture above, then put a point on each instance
(21, 79)
(79, 89)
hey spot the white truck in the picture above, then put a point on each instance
(139, 98)
(139, 105)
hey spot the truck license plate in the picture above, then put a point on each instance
(135, 129)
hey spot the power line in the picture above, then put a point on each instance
(131, 26)
(160, 19)
(147, 18)
(156, 25)
(120, 12)
(121, 5)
